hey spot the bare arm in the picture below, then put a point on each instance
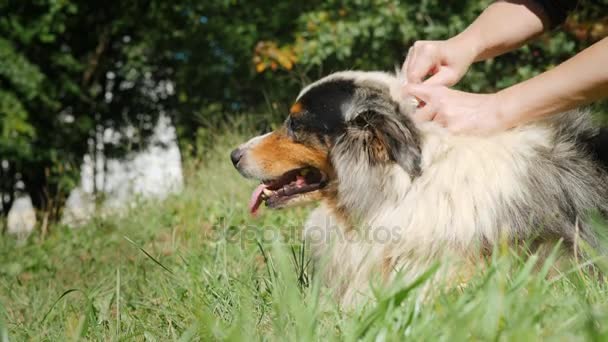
(576, 82)
(502, 27)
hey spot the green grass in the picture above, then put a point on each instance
(196, 267)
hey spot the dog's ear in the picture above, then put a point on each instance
(387, 137)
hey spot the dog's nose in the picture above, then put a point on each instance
(236, 155)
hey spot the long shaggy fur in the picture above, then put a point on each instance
(401, 196)
(447, 196)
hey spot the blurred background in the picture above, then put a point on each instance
(102, 102)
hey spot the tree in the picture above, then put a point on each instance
(70, 71)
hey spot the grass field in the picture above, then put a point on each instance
(196, 267)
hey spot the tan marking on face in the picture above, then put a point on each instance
(277, 154)
(296, 109)
(378, 150)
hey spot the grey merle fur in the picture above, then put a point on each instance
(565, 187)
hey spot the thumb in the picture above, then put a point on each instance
(426, 113)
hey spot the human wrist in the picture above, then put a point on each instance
(508, 110)
(466, 45)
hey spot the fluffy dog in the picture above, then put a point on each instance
(396, 196)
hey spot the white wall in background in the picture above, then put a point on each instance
(21, 218)
(152, 173)
(78, 208)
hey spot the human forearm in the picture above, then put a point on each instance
(576, 82)
(502, 27)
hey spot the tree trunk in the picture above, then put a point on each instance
(47, 196)
(7, 188)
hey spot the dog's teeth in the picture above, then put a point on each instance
(267, 192)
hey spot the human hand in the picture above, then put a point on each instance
(445, 60)
(458, 111)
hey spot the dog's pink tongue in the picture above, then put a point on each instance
(300, 180)
(256, 199)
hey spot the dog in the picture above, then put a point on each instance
(397, 196)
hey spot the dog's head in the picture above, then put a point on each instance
(341, 127)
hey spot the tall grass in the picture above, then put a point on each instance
(196, 267)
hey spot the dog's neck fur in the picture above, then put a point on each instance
(365, 193)
(471, 190)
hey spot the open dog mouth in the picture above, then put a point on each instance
(277, 193)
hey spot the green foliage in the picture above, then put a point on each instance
(259, 56)
(73, 69)
(16, 131)
(197, 267)
(375, 34)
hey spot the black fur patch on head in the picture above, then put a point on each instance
(378, 127)
(321, 108)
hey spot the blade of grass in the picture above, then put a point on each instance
(149, 256)
(396, 299)
(67, 292)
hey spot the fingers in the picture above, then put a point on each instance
(424, 60)
(424, 93)
(408, 58)
(426, 113)
(405, 65)
(420, 91)
(445, 77)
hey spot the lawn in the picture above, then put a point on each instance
(196, 267)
